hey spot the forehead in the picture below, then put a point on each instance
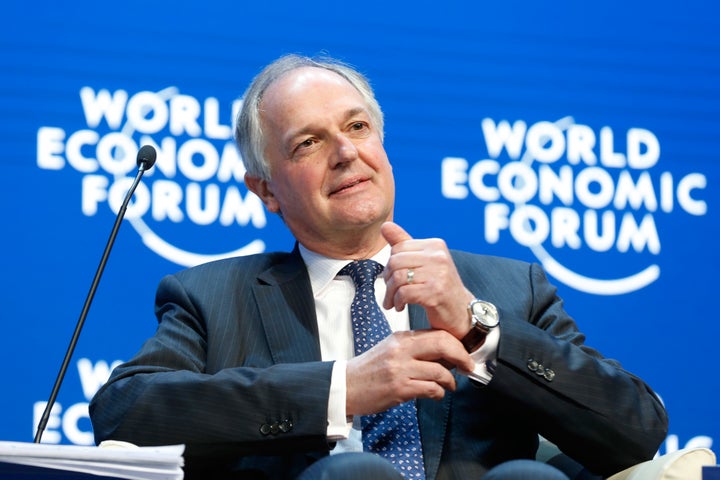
(307, 91)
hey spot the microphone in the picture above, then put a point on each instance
(145, 160)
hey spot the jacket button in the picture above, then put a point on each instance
(532, 365)
(286, 426)
(549, 374)
(265, 429)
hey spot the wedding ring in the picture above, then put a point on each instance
(410, 275)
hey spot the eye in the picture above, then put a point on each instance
(359, 129)
(303, 145)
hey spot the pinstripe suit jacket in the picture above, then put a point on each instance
(234, 372)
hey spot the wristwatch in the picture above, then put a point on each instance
(483, 318)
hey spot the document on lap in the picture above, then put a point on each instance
(112, 459)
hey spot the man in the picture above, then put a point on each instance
(254, 366)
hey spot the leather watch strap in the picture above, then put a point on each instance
(475, 338)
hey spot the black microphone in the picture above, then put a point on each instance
(145, 160)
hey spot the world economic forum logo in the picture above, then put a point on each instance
(558, 187)
(195, 180)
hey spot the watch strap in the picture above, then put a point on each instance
(475, 338)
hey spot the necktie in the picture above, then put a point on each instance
(394, 433)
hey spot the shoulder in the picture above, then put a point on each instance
(467, 260)
(231, 272)
(487, 271)
(254, 263)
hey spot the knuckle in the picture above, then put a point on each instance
(435, 392)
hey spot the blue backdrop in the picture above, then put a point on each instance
(583, 136)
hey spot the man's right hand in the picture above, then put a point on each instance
(404, 366)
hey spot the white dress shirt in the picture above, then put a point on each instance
(333, 295)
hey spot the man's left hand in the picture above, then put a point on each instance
(434, 282)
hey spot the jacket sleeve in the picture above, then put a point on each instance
(601, 415)
(206, 378)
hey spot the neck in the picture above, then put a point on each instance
(354, 247)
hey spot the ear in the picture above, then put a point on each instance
(262, 189)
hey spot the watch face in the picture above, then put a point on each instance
(485, 313)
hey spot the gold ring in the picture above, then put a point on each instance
(410, 275)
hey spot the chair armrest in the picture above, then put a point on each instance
(685, 464)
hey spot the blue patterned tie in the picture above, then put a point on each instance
(394, 433)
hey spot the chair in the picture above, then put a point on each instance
(685, 464)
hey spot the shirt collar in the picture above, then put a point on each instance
(322, 270)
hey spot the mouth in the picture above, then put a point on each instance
(347, 185)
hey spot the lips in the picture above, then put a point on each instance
(347, 184)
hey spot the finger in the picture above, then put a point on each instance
(405, 286)
(439, 346)
(433, 391)
(399, 289)
(394, 233)
(406, 276)
(436, 373)
(394, 280)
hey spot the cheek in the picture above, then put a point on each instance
(377, 155)
(298, 187)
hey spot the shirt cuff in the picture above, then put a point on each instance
(485, 358)
(338, 427)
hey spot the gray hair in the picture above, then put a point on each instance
(249, 135)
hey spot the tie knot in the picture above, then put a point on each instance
(362, 272)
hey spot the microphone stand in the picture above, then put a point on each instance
(144, 165)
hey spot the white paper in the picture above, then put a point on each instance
(119, 459)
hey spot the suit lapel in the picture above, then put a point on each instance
(287, 311)
(432, 414)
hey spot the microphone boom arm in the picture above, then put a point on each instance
(143, 166)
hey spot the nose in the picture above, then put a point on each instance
(345, 151)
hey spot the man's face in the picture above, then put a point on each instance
(330, 175)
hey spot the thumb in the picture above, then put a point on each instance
(394, 233)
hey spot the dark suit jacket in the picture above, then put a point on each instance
(234, 372)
